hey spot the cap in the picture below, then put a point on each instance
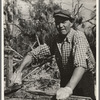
(63, 13)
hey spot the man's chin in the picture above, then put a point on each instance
(63, 32)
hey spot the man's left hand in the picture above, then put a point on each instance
(63, 93)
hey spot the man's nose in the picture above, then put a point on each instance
(61, 24)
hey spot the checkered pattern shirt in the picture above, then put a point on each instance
(74, 45)
(77, 46)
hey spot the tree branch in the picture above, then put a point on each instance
(91, 22)
(15, 51)
(38, 40)
(75, 8)
(31, 46)
(16, 60)
(87, 8)
(78, 9)
(16, 26)
(89, 19)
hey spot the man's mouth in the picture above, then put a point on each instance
(62, 29)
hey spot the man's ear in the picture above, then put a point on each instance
(71, 24)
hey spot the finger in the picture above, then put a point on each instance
(58, 96)
(63, 96)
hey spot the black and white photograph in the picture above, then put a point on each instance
(50, 50)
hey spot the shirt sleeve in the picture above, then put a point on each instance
(40, 52)
(80, 49)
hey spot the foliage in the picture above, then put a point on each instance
(20, 34)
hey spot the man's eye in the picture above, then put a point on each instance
(57, 23)
(65, 22)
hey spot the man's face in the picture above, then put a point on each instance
(63, 26)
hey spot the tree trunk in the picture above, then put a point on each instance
(9, 68)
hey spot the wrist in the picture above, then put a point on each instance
(71, 85)
(69, 89)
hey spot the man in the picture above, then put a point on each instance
(73, 55)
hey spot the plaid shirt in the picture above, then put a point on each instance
(74, 46)
(77, 46)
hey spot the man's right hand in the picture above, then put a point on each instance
(63, 93)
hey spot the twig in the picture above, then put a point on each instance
(34, 44)
(26, 44)
(38, 40)
(14, 64)
(31, 46)
(75, 8)
(15, 51)
(91, 22)
(78, 9)
(87, 8)
(30, 73)
(16, 59)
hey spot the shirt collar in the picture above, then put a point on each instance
(69, 36)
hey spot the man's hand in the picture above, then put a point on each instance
(63, 93)
(16, 78)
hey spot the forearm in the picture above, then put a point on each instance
(76, 77)
(38, 53)
(26, 61)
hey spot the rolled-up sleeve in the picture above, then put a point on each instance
(40, 52)
(80, 49)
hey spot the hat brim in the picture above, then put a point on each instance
(64, 17)
(61, 15)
